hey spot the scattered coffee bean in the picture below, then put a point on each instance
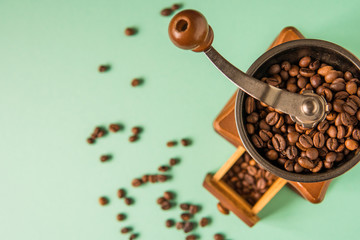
(114, 127)
(185, 142)
(162, 178)
(136, 130)
(90, 140)
(168, 195)
(104, 158)
(136, 82)
(163, 168)
(191, 237)
(193, 209)
(125, 230)
(204, 222)
(160, 200)
(169, 223)
(188, 227)
(133, 138)
(185, 206)
(171, 143)
(103, 201)
(185, 216)
(179, 225)
(129, 201)
(222, 209)
(166, 205)
(175, 6)
(103, 68)
(130, 31)
(120, 217)
(121, 193)
(166, 12)
(153, 178)
(219, 236)
(136, 182)
(173, 161)
(133, 236)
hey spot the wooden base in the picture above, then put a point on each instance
(225, 125)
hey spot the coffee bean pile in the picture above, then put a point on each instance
(166, 201)
(293, 147)
(168, 11)
(97, 133)
(248, 179)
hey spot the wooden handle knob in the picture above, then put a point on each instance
(189, 30)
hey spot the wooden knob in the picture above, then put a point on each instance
(189, 30)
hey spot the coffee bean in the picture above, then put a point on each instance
(121, 193)
(323, 126)
(173, 161)
(328, 165)
(314, 65)
(350, 107)
(136, 82)
(191, 237)
(298, 168)
(289, 165)
(175, 6)
(274, 69)
(145, 178)
(136, 182)
(249, 105)
(104, 158)
(114, 127)
(348, 75)
(332, 144)
(129, 201)
(261, 183)
(125, 230)
(256, 140)
(312, 153)
(166, 205)
(356, 134)
(347, 119)
(305, 162)
(293, 137)
(351, 144)
(291, 152)
(341, 95)
(130, 31)
(153, 178)
(272, 155)
(222, 209)
(319, 140)
(193, 209)
(304, 61)
(305, 141)
(185, 206)
(273, 81)
(294, 71)
(338, 105)
(331, 76)
(179, 225)
(278, 142)
(136, 130)
(168, 195)
(285, 66)
(133, 236)
(103, 68)
(103, 201)
(185, 142)
(204, 222)
(160, 200)
(340, 132)
(250, 129)
(330, 157)
(120, 217)
(263, 125)
(318, 167)
(351, 87)
(169, 223)
(306, 72)
(133, 138)
(185, 216)
(323, 71)
(171, 143)
(265, 135)
(219, 236)
(162, 178)
(284, 75)
(166, 12)
(90, 140)
(163, 168)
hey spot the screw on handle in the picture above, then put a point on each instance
(189, 30)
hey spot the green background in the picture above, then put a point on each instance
(52, 96)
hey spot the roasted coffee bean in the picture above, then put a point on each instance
(135, 82)
(125, 230)
(291, 87)
(356, 134)
(160, 200)
(185, 216)
(265, 135)
(332, 144)
(341, 95)
(130, 31)
(103, 68)
(316, 80)
(348, 75)
(323, 126)
(351, 87)
(261, 183)
(185, 142)
(351, 144)
(330, 157)
(136, 130)
(305, 162)
(338, 105)
(193, 209)
(272, 155)
(273, 81)
(294, 71)
(278, 142)
(121, 193)
(168, 195)
(314, 65)
(169, 223)
(222, 209)
(253, 118)
(305, 61)
(163, 168)
(284, 75)
(263, 125)
(136, 182)
(256, 140)
(301, 83)
(291, 152)
(289, 165)
(280, 122)
(179, 225)
(219, 236)
(133, 138)
(293, 137)
(133, 236)
(312, 153)
(323, 71)
(305, 141)
(319, 140)
(166, 205)
(171, 143)
(347, 119)
(285, 65)
(274, 69)
(249, 105)
(104, 158)
(114, 127)
(331, 76)
(355, 99)
(90, 140)
(338, 85)
(166, 12)
(306, 72)
(184, 206)
(128, 201)
(103, 201)
(162, 178)
(298, 168)
(251, 170)
(120, 217)
(250, 128)
(204, 222)
(173, 161)
(340, 132)
(327, 164)
(318, 167)
(175, 6)
(153, 178)
(350, 107)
